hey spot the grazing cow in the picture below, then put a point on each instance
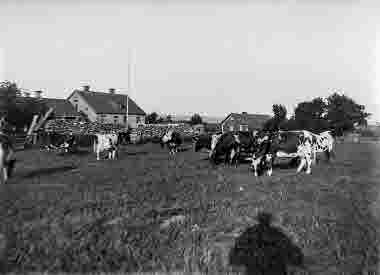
(172, 139)
(265, 249)
(106, 142)
(7, 161)
(288, 144)
(206, 141)
(244, 143)
(124, 137)
(227, 145)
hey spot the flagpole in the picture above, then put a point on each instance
(129, 85)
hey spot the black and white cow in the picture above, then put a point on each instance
(206, 141)
(173, 141)
(227, 146)
(323, 143)
(106, 142)
(288, 144)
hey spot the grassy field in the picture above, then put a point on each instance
(76, 214)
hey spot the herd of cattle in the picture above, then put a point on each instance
(260, 148)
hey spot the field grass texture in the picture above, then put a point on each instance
(75, 214)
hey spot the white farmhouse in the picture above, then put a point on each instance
(107, 107)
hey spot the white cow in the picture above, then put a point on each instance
(105, 142)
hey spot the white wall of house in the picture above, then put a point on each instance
(81, 105)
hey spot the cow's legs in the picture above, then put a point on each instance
(254, 165)
(308, 163)
(328, 155)
(301, 165)
(232, 156)
(5, 173)
(270, 171)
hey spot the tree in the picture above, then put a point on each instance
(151, 118)
(343, 113)
(168, 118)
(196, 119)
(311, 115)
(279, 112)
(278, 120)
(19, 111)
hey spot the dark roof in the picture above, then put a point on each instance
(254, 121)
(106, 103)
(62, 107)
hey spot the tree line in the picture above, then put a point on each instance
(338, 113)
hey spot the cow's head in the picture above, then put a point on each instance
(167, 136)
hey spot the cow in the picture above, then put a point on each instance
(206, 141)
(172, 139)
(323, 143)
(227, 145)
(106, 142)
(245, 143)
(7, 160)
(289, 144)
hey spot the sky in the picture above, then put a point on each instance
(208, 57)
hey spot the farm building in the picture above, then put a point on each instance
(243, 122)
(107, 107)
(62, 108)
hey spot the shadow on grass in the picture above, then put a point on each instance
(135, 153)
(48, 171)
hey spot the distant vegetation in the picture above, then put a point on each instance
(18, 112)
(338, 113)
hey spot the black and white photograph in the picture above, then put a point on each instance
(189, 137)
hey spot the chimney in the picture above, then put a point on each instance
(111, 90)
(37, 94)
(86, 88)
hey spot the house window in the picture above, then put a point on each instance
(138, 119)
(243, 127)
(116, 117)
(231, 128)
